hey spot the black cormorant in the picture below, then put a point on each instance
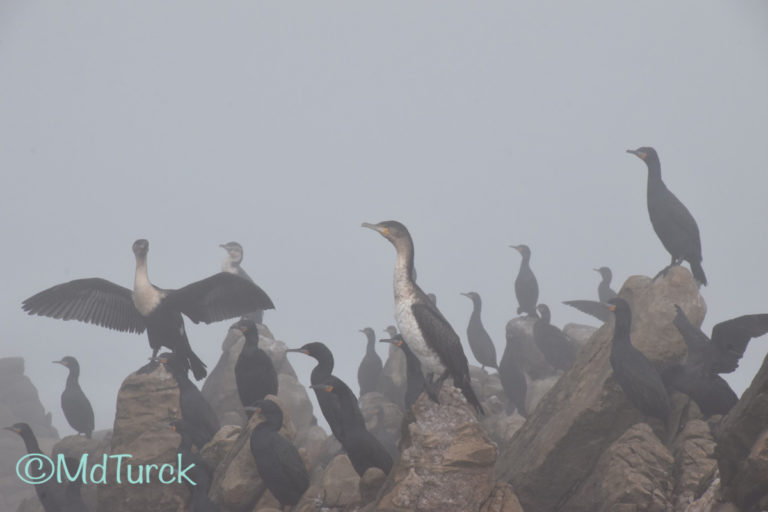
(512, 376)
(558, 349)
(232, 265)
(422, 325)
(329, 404)
(195, 409)
(673, 223)
(255, 374)
(369, 371)
(526, 286)
(76, 406)
(391, 330)
(280, 466)
(200, 472)
(480, 342)
(362, 447)
(414, 384)
(604, 290)
(698, 376)
(639, 379)
(150, 308)
(599, 308)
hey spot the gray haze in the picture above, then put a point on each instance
(284, 125)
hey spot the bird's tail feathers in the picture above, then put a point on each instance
(698, 272)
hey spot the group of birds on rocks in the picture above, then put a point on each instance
(432, 349)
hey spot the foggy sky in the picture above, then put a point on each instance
(285, 125)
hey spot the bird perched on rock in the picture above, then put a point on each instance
(232, 265)
(200, 472)
(597, 309)
(369, 371)
(147, 307)
(512, 376)
(639, 379)
(673, 223)
(255, 375)
(698, 376)
(526, 286)
(422, 325)
(364, 450)
(479, 340)
(76, 406)
(280, 466)
(558, 349)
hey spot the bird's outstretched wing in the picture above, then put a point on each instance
(218, 297)
(596, 309)
(731, 337)
(94, 300)
(700, 350)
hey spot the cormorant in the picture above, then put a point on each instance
(479, 340)
(512, 377)
(76, 406)
(200, 473)
(232, 265)
(422, 325)
(673, 223)
(370, 367)
(635, 374)
(698, 376)
(526, 286)
(391, 330)
(150, 308)
(280, 466)
(195, 410)
(558, 349)
(53, 496)
(598, 309)
(364, 450)
(255, 373)
(414, 384)
(604, 290)
(329, 404)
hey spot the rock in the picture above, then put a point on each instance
(371, 483)
(694, 452)
(578, 333)
(486, 385)
(382, 419)
(146, 403)
(449, 465)
(530, 358)
(293, 395)
(586, 410)
(634, 473)
(222, 443)
(502, 499)
(340, 483)
(75, 447)
(312, 441)
(752, 485)
(537, 389)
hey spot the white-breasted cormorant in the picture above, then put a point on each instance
(526, 286)
(479, 340)
(698, 376)
(232, 265)
(280, 466)
(362, 447)
(636, 375)
(195, 409)
(147, 307)
(369, 371)
(200, 473)
(329, 404)
(673, 223)
(558, 349)
(512, 376)
(255, 374)
(414, 377)
(422, 325)
(76, 406)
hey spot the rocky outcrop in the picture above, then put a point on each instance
(383, 419)
(502, 499)
(586, 411)
(529, 357)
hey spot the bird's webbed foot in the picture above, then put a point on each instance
(432, 387)
(150, 366)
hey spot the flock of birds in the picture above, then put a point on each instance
(432, 350)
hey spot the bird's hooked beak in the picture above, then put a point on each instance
(382, 230)
(465, 294)
(62, 363)
(256, 410)
(515, 247)
(322, 387)
(638, 154)
(12, 429)
(163, 360)
(393, 341)
(300, 350)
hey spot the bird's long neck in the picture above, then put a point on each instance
(622, 328)
(141, 279)
(404, 281)
(74, 374)
(322, 370)
(477, 308)
(370, 348)
(654, 176)
(30, 441)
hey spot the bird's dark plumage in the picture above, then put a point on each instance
(673, 223)
(76, 406)
(526, 286)
(201, 473)
(698, 376)
(512, 376)
(598, 309)
(150, 308)
(280, 466)
(639, 379)
(480, 341)
(363, 449)
(255, 374)
(414, 384)
(200, 417)
(604, 290)
(558, 349)
(369, 371)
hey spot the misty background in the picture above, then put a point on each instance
(285, 125)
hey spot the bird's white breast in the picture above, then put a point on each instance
(145, 296)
